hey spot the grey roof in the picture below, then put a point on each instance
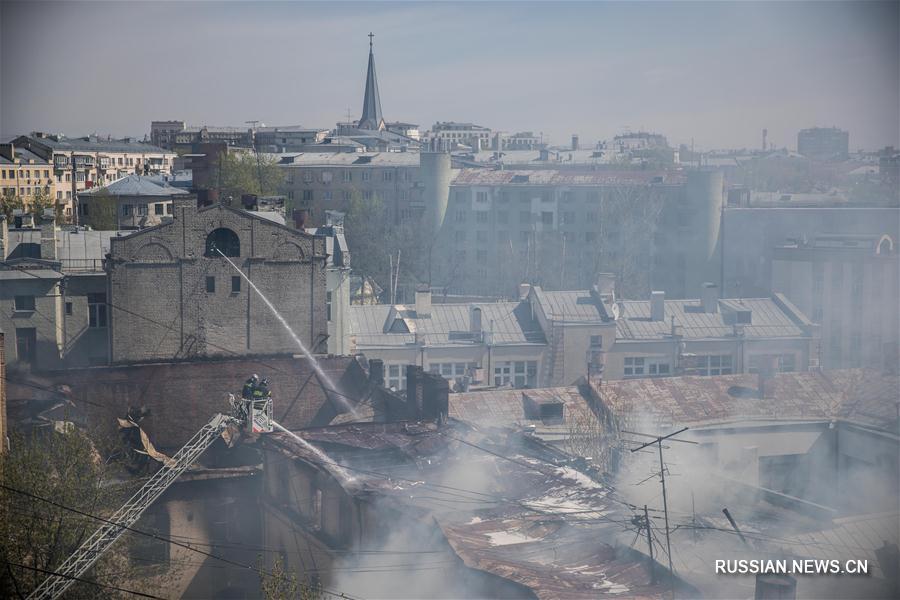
(136, 185)
(509, 322)
(349, 159)
(371, 111)
(71, 245)
(768, 320)
(573, 305)
(94, 144)
(270, 215)
(26, 156)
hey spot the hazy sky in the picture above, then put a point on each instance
(716, 72)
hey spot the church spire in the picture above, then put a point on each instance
(371, 112)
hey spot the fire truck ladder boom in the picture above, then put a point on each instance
(102, 539)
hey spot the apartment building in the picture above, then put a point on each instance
(323, 181)
(824, 143)
(449, 133)
(133, 202)
(82, 163)
(550, 338)
(25, 174)
(848, 284)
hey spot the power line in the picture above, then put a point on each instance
(151, 535)
(87, 581)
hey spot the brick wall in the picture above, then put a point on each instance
(161, 307)
(183, 396)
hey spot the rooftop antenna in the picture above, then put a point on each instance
(662, 478)
(253, 124)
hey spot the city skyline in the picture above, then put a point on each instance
(738, 68)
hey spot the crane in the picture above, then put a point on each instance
(255, 412)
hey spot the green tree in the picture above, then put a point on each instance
(66, 468)
(103, 214)
(281, 584)
(243, 172)
(9, 202)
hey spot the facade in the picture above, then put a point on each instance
(320, 181)
(209, 309)
(750, 236)
(824, 143)
(848, 284)
(25, 174)
(289, 138)
(561, 228)
(82, 163)
(53, 296)
(133, 202)
(337, 282)
(552, 338)
(449, 133)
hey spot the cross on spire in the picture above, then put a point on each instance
(371, 37)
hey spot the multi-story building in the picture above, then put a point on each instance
(83, 163)
(560, 228)
(448, 133)
(323, 181)
(133, 202)
(824, 143)
(205, 307)
(25, 174)
(848, 284)
(337, 281)
(53, 295)
(291, 138)
(549, 338)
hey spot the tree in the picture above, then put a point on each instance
(280, 584)
(236, 173)
(9, 202)
(103, 211)
(65, 468)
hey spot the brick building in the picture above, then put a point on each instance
(173, 296)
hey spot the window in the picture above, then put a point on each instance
(366, 174)
(210, 284)
(634, 366)
(97, 309)
(222, 240)
(818, 315)
(142, 210)
(328, 306)
(591, 217)
(596, 341)
(326, 177)
(708, 365)
(502, 217)
(26, 343)
(24, 303)
(658, 368)
(69, 309)
(235, 284)
(460, 216)
(367, 195)
(481, 216)
(159, 209)
(547, 218)
(481, 197)
(449, 370)
(169, 208)
(126, 210)
(519, 373)
(307, 195)
(568, 217)
(387, 176)
(395, 378)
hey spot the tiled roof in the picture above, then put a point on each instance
(509, 322)
(768, 320)
(553, 177)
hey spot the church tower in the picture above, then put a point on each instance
(371, 112)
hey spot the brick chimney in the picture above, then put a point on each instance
(376, 371)
(300, 216)
(423, 302)
(48, 235)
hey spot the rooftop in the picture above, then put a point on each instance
(554, 177)
(573, 305)
(349, 159)
(136, 185)
(768, 318)
(95, 144)
(384, 325)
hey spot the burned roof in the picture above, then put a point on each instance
(864, 396)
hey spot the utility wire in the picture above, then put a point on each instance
(87, 581)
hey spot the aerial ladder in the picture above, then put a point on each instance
(253, 412)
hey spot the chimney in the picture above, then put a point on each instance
(575, 141)
(8, 151)
(474, 319)
(4, 237)
(524, 290)
(606, 285)
(376, 371)
(709, 297)
(48, 235)
(423, 302)
(413, 392)
(300, 216)
(657, 306)
(767, 368)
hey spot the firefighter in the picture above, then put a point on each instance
(262, 391)
(250, 387)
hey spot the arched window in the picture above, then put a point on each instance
(224, 240)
